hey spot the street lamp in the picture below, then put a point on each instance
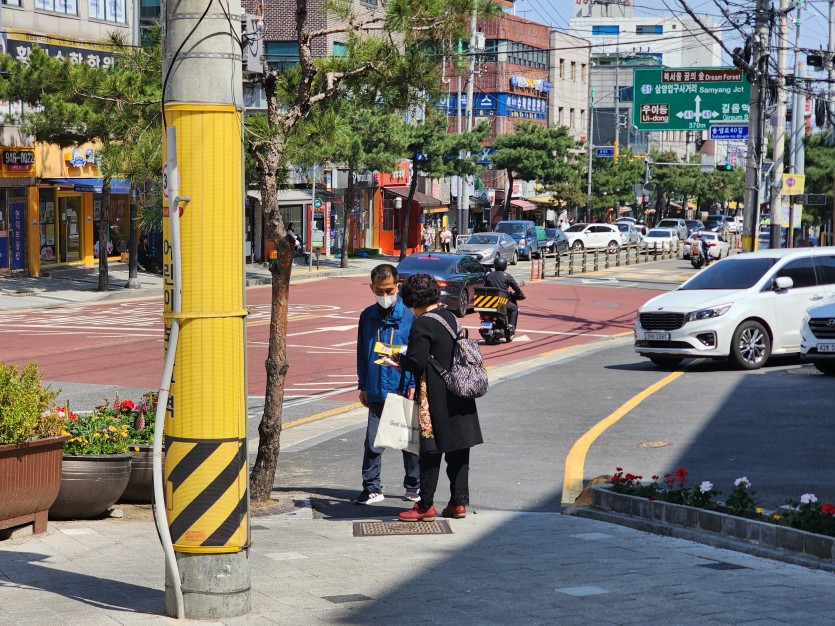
(133, 280)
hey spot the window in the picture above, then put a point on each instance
(571, 118)
(527, 56)
(13, 3)
(826, 269)
(573, 71)
(649, 29)
(107, 10)
(340, 49)
(559, 116)
(582, 118)
(67, 7)
(605, 30)
(801, 271)
(583, 72)
(562, 68)
(282, 54)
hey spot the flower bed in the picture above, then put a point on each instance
(801, 531)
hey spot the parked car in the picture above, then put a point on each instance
(485, 247)
(557, 241)
(679, 226)
(457, 274)
(719, 247)
(660, 240)
(718, 224)
(745, 307)
(594, 236)
(764, 240)
(817, 334)
(693, 226)
(524, 233)
(626, 219)
(735, 225)
(629, 233)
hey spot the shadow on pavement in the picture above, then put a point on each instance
(337, 504)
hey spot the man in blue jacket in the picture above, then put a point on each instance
(383, 331)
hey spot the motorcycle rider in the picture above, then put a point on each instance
(704, 248)
(500, 279)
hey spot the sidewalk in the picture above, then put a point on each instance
(73, 285)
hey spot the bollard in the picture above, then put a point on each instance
(596, 259)
(570, 262)
(606, 256)
(557, 265)
(541, 266)
(584, 260)
(533, 261)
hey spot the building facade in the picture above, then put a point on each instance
(50, 198)
(570, 65)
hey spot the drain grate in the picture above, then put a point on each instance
(383, 529)
(348, 597)
(654, 444)
(722, 565)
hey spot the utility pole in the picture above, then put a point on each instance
(591, 147)
(470, 90)
(830, 52)
(462, 225)
(617, 99)
(758, 75)
(780, 126)
(206, 496)
(797, 153)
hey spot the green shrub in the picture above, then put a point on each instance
(27, 408)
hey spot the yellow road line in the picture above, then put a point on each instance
(576, 459)
(322, 415)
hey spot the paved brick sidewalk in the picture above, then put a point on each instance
(497, 568)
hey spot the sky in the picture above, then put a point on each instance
(814, 29)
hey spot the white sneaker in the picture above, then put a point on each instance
(369, 497)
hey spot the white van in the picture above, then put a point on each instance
(817, 336)
(746, 308)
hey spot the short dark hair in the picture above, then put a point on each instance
(420, 290)
(383, 271)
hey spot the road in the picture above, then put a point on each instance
(573, 375)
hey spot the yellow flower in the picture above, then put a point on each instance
(96, 435)
(111, 428)
(776, 517)
(106, 436)
(760, 510)
(136, 448)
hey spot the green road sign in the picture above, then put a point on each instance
(317, 203)
(689, 98)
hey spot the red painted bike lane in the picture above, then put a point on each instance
(121, 343)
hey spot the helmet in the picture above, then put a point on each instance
(500, 264)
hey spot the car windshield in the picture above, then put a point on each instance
(667, 224)
(577, 228)
(482, 238)
(427, 263)
(510, 229)
(659, 233)
(731, 273)
(714, 220)
(691, 223)
(624, 228)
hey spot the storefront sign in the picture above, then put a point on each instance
(17, 217)
(17, 161)
(523, 107)
(361, 179)
(19, 44)
(400, 176)
(542, 85)
(78, 157)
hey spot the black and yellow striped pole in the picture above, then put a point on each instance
(205, 476)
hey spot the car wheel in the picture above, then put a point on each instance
(577, 246)
(613, 247)
(515, 258)
(463, 303)
(826, 368)
(750, 346)
(666, 361)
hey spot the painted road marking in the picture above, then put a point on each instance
(576, 460)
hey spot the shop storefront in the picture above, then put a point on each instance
(17, 168)
(361, 221)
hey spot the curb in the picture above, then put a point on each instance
(721, 530)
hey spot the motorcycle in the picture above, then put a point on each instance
(698, 260)
(491, 305)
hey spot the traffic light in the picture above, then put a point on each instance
(724, 167)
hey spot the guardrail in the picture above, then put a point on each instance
(586, 260)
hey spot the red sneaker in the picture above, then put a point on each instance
(419, 514)
(457, 511)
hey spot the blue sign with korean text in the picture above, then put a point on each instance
(728, 132)
(604, 152)
(17, 232)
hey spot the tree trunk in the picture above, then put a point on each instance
(346, 215)
(405, 214)
(104, 235)
(506, 207)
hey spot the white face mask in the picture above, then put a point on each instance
(386, 301)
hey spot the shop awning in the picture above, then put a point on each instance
(423, 199)
(437, 209)
(546, 199)
(117, 185)
(523, 204)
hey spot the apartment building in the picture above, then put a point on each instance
(570, 65)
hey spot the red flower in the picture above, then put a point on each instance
(655, 477)
(828, 509)
(619, 469)
(126, 405)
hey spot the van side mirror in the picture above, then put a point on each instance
(782, 283)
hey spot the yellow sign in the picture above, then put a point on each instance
(793, 184)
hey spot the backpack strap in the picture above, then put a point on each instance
(455, 333)
(442, 372)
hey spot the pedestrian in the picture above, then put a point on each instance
(446, 237)
(426, 238)
(383, 332)
(293, 238)
(144, 256)
(448, 423)
(454, 236)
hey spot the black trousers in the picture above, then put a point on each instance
(512, 313)
(457, 470)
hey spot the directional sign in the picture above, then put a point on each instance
(729, 132)
(604, 152)
(815, 199)
(689, 98)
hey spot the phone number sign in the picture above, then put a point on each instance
(689, 98)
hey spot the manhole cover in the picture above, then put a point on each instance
(382, 529)
(654, 444)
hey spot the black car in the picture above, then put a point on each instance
(457, 274)
(557, 241)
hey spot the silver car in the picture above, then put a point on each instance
(485, 247)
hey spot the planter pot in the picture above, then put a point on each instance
(140, 489)
(30, 477)
(90, 485)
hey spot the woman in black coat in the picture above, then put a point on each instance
(449, 423)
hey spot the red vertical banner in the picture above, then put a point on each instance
(308, 230)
